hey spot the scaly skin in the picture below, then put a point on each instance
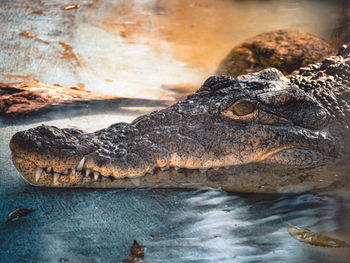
(260, 132)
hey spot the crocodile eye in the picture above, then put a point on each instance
(243, 108)
(241, 111)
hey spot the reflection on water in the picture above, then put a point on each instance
(173, 225)
(132, 48)
(230, 228)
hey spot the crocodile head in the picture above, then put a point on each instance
(228, 128)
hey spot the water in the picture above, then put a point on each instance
(173, 225)
(133, 48)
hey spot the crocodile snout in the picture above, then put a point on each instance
(46, 152)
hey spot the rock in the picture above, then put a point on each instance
(286, 50)
(23, 98)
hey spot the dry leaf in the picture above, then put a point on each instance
(315, 239)
(137, 253)
(322, 197)
(69, 7)
(20, 212)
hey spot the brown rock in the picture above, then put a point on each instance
(286, 50)
(22, 98)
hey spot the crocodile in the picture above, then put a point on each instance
(261, 132)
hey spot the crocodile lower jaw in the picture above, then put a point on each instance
(78, 176)
(47, 176)
(245, 178)
(252, 177)
(82, 176)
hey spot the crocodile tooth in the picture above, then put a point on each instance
(49, 169)
(202, 170)
(38, 172)
(56, 177)
(65, 172)
(135, 181)
(176, 167)
(151, 172)
(216, 168)
(165, 168)
(73, 171)
(81, 164)
(96, 175)
(87, 172)
(104, 178)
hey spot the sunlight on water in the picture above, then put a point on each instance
(142, 45)
(252, 229)
(132, 48)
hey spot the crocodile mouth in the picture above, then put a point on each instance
(48, 176)
(84, 177)
(81, 176)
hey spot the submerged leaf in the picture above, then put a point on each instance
(20, 212)
(322, 197)
(315, 239)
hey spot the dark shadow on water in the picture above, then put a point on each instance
(64, 111)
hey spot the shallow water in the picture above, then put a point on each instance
(133, 48)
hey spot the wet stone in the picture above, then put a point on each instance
(286, 50)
